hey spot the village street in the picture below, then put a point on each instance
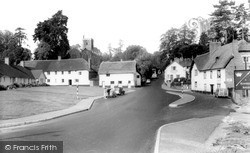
(125, 124)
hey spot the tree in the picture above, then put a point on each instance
(10, 47)
(42, 51)
(20, 35)
(74, 52)
(221, 22)
(54, 32)
(186, 36)
(144, 64)
(241, 16)
(133, 51)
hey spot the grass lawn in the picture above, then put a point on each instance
(23, 102)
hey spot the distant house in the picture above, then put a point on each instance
(62, 71)
(177, 69)
(214, 70)
(10, 74)
(119, 74)
(39, 76)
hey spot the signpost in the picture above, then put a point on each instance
(242, 79)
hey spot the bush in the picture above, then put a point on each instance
(16, 84)
(12, 86)
(180, 81)
(3, 87)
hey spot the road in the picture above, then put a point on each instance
(126, 124)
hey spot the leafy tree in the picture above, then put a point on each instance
(20, 35)
(144, 64)
(74, 52)
(222, 18)
(42, 51)
(186, 36)
(10, 47)
(54, 32)
(133, 51)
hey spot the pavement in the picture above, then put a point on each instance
(173, 138)
(83, 105)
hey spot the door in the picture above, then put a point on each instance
(70, 82)
(212, 88)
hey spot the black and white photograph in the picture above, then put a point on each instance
(125, 76)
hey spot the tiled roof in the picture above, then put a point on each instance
(217, 60)
(36, 73)
(185, 62)
(117, 67)
(10, 71)
(24, 70)
(58, 65)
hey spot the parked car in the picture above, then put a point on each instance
(221, 92)
(111, 93)
(148, 81)
(119, 91)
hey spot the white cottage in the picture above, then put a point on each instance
(10, 74)
(214, 70)
(119, 74)
(177, 69)
(63, 71)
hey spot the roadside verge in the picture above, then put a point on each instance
(83, 105)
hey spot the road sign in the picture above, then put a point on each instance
(241, 79)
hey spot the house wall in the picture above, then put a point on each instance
(204, 82)
(80, 77)
(6, 81)
(179, 70)
(125, 78)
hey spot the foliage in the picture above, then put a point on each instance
(3, 87)
(11, 47)
(144, 64)
(20, 35)
(74, 52)
(42, 51)
(53, 32)
(133, 52)
(228, 22)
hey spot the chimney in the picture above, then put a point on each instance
(176, 59)
(59, 58)
(7, 60)
(22, 63)
(89, 62)
(213, 46)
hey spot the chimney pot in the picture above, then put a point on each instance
(7, 60)
(59, 58)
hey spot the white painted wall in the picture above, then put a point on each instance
(181, 71)
(125, 78)
(6, 81)
(203, 84)
(59, 78)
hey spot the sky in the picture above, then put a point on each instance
(135, 22)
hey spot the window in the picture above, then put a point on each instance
(80, 73)
(48, 73)
(107, 75)
(218, 74)
(76, 80)
(218, 86)
(112, 82)
(62, 72)
(173, 68)
(129, 81)
(48, 80)
(62, 80)
(211, 74)
(138, 76)
(55, 72)
(195, 84)
(69, 72)
(195, 72)
(119, 82)
(178, 76)
(205, 75)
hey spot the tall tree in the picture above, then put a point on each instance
(20, 35)
(10, 47)
(221, 22)
(54, 32)
(186, 36)
(133, 51)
